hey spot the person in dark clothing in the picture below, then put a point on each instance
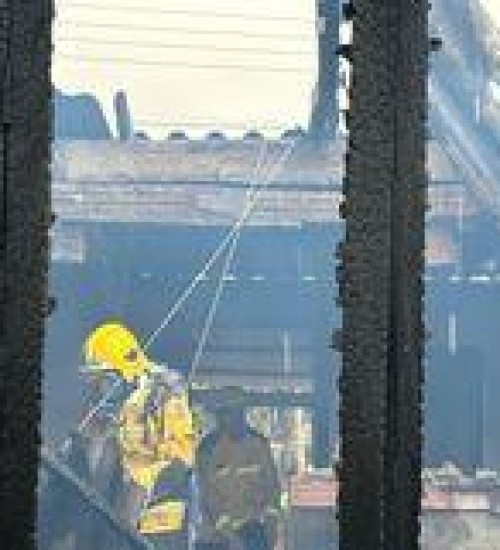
(238, 484)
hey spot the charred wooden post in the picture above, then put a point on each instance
(25, 217)
(381, 276)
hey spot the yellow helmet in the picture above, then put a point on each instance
(113, 347)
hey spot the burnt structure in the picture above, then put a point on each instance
(323, 123)
(381, 273)
(123, 116)
(25, 126)
(70, 504)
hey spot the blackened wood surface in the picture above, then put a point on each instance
(382, 264)
(25, 126)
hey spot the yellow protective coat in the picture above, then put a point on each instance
(150, 443)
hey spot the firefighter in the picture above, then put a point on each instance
(238, 484)
(156, 433)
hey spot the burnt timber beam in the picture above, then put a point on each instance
(381, 277)
(212, 398)
(323, 123)
(25, 129)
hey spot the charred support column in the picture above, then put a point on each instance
(323, 122)
(124, 124)
(324, 402)
(382, 266)
(25, 127)
(320, 318)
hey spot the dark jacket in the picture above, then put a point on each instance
(239, 488)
